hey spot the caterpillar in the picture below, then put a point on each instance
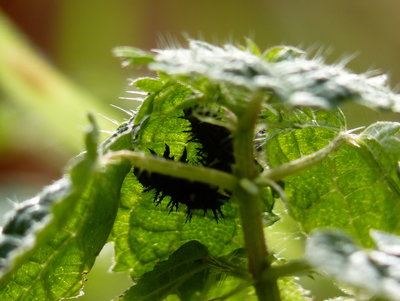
(215, 151)
(217, 144)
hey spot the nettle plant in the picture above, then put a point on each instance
(187, 187)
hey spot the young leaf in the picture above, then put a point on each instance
(376, 272)
(150, 85)
(132, 55)
(51, 242)
(185, 267)
(294, 79)
(355, 188)
(282, 53)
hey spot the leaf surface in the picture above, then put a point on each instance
(51, 242)
(144, 232)
(174, 275)
(356, 188)
(192, 273)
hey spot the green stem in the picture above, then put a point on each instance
(250, 205)
(295, 166)
(175, 169)
(294, 267)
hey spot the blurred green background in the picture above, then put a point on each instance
(56, 66)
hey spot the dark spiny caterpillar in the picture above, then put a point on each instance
(217, 144)
(216, 151)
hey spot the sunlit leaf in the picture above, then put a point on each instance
(51, 242)
(356, 188)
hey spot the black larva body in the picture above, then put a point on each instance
(216, 151)
(217, 148)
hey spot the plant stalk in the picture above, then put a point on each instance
(303, 163)
(173, 168)
(250, 204)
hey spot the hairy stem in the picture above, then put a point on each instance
(250, 205)
(175, 169)
(295, 166)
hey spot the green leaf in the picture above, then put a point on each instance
(282, 53)
(161, 103)
(132, 55)
(356, 188)
(232, 289)
(193, 274)
(145, 233)
(291, 291)
(150, 85)
(279, 118)
(290, 76)
(251, 47)
(229, 278)
(51, 242)
(376, 272)
(184, 273)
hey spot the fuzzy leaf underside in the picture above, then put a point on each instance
(284, 71)
(375, 272)
(53, 253)
(356, 188)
